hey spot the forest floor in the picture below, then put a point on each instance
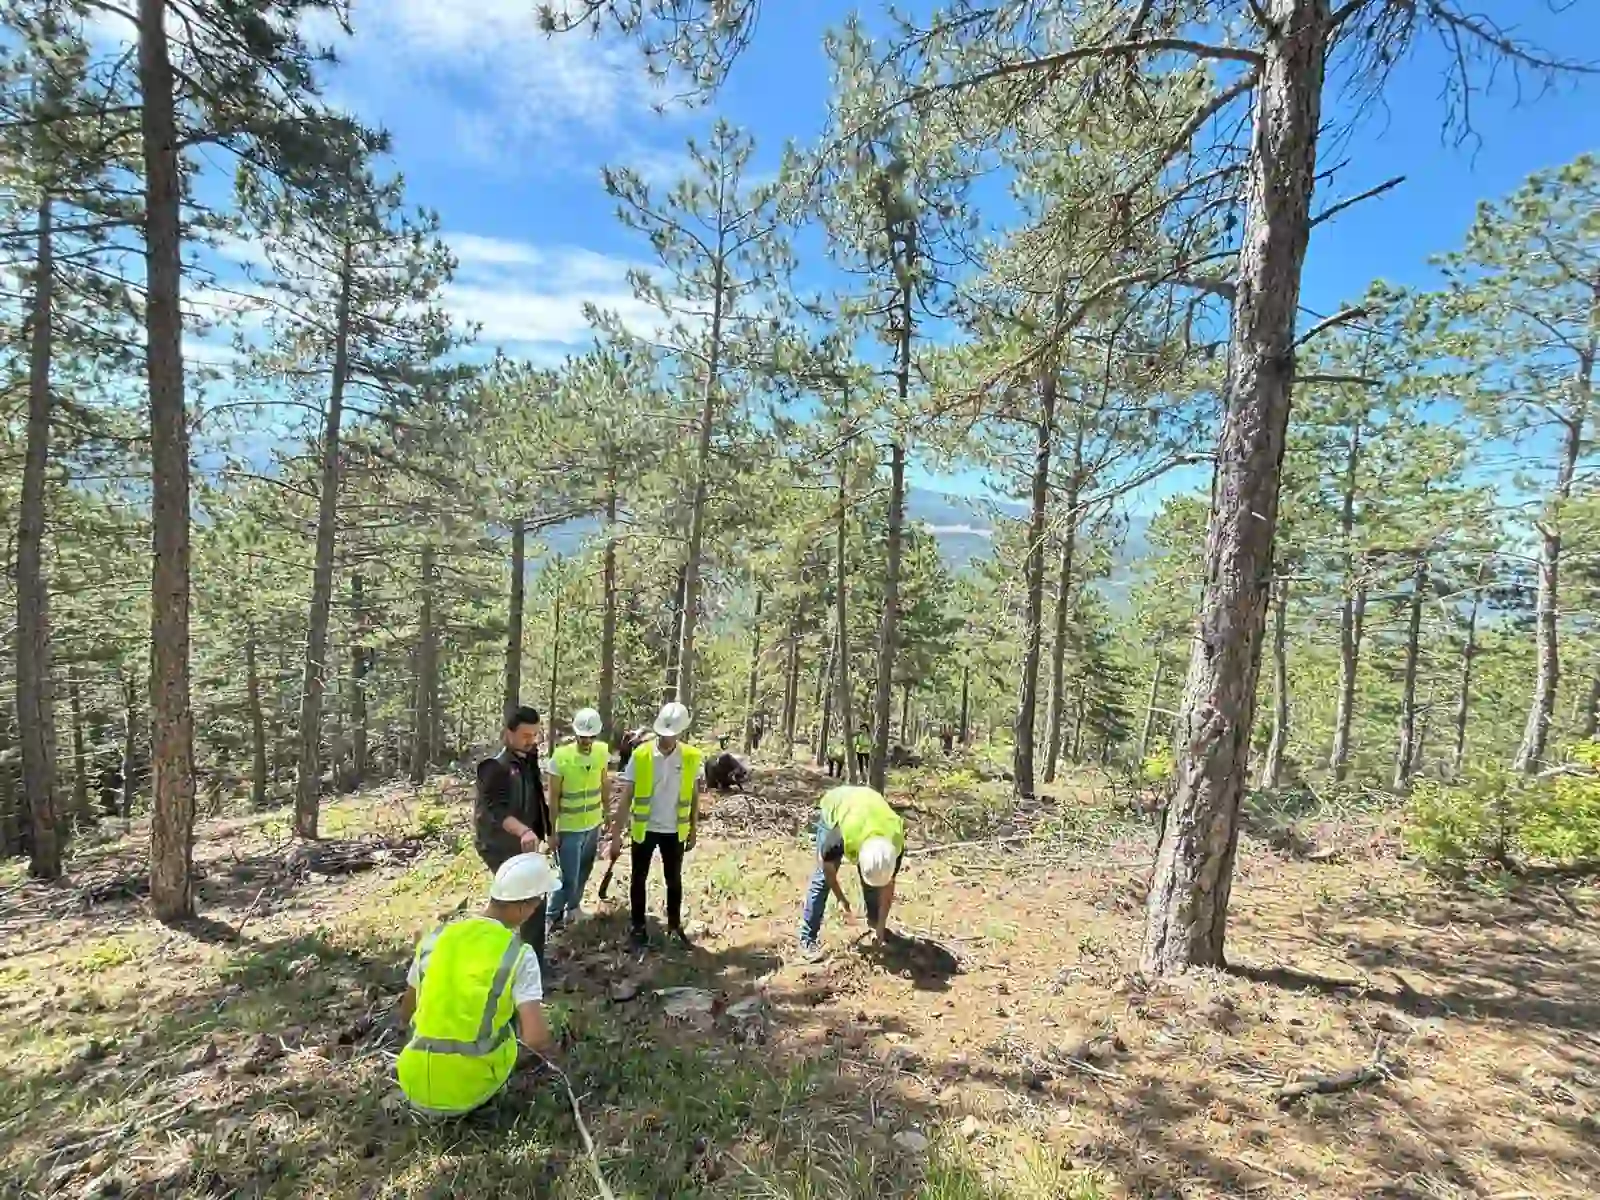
(1007, 1051)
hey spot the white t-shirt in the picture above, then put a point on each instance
(526, 984)
(666, 781)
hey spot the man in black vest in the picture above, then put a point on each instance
(511, 814)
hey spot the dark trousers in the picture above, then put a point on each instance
(671, 868)
(835, 768)
(863, 762)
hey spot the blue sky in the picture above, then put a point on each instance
(504, 132)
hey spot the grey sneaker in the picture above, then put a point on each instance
(811, 951)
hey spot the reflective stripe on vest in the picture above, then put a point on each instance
(580, 774)
(859, 813)
(644, 768)
(462, 1048)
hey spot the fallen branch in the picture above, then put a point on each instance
(593, 1159)
(238, 930)
(1328, 1085)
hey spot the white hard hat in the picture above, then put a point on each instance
(877, 860)
(524, 877)
(672, 720)
(586, 723)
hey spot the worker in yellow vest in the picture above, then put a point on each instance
(472, 992)
(856, 823)
(578, 772)
(660, 793)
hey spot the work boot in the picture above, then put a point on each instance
(680, 937)
(811, 951)
(639, 938)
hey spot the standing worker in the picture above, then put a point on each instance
(661, 792)
(855, 823)
(510, 811)
(470, 980)
(578, 773)
(862, 745)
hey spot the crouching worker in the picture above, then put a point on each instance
(856, 823)
(473, 993)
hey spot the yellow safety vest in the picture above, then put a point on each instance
(463, 1046)
(859, 813)
(580, 773)
(644, 769)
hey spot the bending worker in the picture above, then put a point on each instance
(663, 785)
(856, 823)
(578, 772)
(470, 980)
(510, 812)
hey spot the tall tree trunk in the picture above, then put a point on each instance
(1188, 903)
(966, 690)
(35, 687)
(551, 724)
(1536, 734)
(1272, 768)
(889, 626)
(791, 686)
(674, 643)
(425, 739)
(824, 701)
(130, 742)
(702, 485)
(359, 661)
(258, 722)
(1033, 587)
(1405, 756)
(608, 616)
(171, 719)
(1077, 722)
(1064, 600)
(1355, 599)
(755, 667)
(519, 566)
(1469, 651)
(1591, 709)
(841, 630)
(907, 735)
(1150, 710)
(82, 811)
(308, 784)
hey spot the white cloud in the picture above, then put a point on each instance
(486, 68)
(530, 299)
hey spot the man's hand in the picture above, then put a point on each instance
(555, 843)
(844, 907)
(530, 842)
(613, 848)
(688, 842)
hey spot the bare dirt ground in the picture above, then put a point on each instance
(1006, 1050)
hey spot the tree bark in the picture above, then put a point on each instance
(1272, 768)
(906, 734)
(755, 667)
(426, 738)
(1405, 755)
(258, 721)
(702, 483)
(1188, 902)
(824, 702)
(308, 784)
(791, 686)
(1590, 721)
(130, 742)
(1150, 710)
(608, 617)
(550, 723)
(82, 812)
(841, 591)
(889, 628)
(1077, 722)
(171, 719)
(1355, 598)
(35, 685)
(1469, 651)
(1064, 600)
(1033, 576)
(674, 643)
(519, 565)
(359, 661)
(1536, 734)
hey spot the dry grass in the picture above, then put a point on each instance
(1011, 1035)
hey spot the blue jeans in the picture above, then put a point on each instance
(816, 904)
(576, 856)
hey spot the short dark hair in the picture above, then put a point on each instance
(522, 716)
